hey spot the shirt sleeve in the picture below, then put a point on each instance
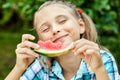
(33, 71)
(110, 65)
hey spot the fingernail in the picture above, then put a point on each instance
(33, 37)
(72, 44)
(37, 55)
(75, 53)
(37, 46)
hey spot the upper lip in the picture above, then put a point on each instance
(60, 37)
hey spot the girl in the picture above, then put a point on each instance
(61, 21)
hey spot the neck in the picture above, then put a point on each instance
(69, 63)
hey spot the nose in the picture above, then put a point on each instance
(56, 30)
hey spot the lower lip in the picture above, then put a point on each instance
(60, 38)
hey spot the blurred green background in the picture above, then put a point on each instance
(16, 18)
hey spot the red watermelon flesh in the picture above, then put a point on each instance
(49, 45)
(50, 49)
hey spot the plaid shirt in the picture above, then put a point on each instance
(36, 72)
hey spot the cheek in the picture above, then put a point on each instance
(44, 37)
(73, 30)
(68, 27)
(75, 35)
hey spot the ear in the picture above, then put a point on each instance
(81, 25)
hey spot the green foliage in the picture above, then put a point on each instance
(17, 15)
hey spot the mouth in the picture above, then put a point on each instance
(60, 38)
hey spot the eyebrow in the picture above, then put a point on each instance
(60, 16)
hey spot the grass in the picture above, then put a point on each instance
(8, 42)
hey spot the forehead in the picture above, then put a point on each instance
(53, 10)
(62, 6)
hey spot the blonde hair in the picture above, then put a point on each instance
(90, 33)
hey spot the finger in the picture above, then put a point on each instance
(24, 60)
(81, 55)
(26, 37)
(82, 42)
(24, 56)
(26, 51)
(85, 42)
(84, 48)
(28, 44)
(92, 52)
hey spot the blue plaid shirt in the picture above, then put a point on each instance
(36, 72)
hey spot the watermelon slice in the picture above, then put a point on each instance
(50, 49)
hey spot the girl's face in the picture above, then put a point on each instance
(57, 23)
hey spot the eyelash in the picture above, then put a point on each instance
(45, 30)
(62, 21)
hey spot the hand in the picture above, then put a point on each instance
(90, 52)
(24, 54)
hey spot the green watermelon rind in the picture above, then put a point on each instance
(53, 53)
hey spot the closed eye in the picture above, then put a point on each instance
(62, 21)
(45, 28)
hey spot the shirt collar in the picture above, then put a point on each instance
(57, 70)
(83, 69)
